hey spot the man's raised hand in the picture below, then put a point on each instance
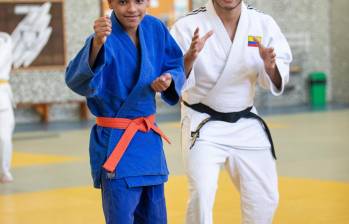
(268, 55)
(197, 43)
(269, 58)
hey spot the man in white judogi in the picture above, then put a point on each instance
(240, 48)
(6, 108)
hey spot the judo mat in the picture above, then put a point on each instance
(53, 185)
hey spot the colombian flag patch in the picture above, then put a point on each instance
(252, 42)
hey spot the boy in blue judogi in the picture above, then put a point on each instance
(130, 57)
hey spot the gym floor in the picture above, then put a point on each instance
(53, 185)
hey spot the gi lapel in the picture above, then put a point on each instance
(219, 29)
(144, 69)
(236, 56)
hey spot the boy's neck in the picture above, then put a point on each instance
(133, 35)
(131, 32)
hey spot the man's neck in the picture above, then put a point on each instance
(228, 16)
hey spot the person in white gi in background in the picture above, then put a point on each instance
(239, 48)
(6, 108)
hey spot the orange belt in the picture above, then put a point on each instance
(143, 124)
(3, 81)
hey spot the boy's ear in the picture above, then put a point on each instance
(147, 2)
(109, 3)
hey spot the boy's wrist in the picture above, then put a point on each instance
(97, 42)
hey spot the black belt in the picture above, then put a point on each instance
(227, 117)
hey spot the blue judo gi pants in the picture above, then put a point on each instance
(132, 205)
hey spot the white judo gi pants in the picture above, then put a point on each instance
(253, 173)
(7, 124)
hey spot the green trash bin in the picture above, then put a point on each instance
(317, 87)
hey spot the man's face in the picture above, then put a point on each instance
(129, 12)
(227, 4)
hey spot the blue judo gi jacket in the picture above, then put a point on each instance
(119, 85)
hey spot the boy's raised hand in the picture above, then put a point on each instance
(161, 83)
(102, 28)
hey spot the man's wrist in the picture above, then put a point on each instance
(275, 76)
(271, 71)
(189, 57)
(188, 63)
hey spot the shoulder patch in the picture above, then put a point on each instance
(250, 7)
(196, 11)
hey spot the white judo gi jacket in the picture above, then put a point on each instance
(5, 68)
(225, 74)
(6, 104)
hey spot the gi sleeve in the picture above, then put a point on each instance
(172, 63)
(6, 59)
(79, 75)
(183, 37)
(273, 37)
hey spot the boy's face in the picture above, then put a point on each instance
(129, 12)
